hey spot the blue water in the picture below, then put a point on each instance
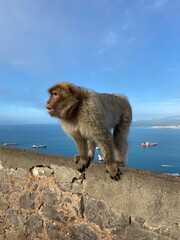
(165, 158)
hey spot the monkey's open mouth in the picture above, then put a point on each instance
(50, 110)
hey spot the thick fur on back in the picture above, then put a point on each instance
(97, 111)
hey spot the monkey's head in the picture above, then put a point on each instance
(63, 101)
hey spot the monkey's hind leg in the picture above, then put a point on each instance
(91, 149)
(106, 147)
(120, 141)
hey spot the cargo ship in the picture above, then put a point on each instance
(39, 146)
(10, 144)
(148, 144)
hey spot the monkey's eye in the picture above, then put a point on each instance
(55, 93)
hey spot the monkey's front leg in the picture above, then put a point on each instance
(82, 160)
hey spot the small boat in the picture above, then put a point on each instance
(100, 158)
(39, 146)
(10, 144)
(148, 144)
(97, 148)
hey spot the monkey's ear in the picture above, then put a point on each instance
(72, 89)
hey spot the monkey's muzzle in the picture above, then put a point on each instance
(49, 109)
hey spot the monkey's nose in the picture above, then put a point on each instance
(48, 107)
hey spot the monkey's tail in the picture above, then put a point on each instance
(120, 134)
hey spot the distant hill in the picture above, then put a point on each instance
(168, 121)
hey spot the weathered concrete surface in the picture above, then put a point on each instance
(44, 197)
(154, 197)
(15, 158)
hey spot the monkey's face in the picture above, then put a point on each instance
(52, 104)
(62, 101)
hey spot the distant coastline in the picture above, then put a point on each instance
(158, 127)
(167, 127)
(168, 123)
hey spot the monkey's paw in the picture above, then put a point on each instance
(77, 157)
(114, 171)
(82, 164)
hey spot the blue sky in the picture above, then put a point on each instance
(115, 46)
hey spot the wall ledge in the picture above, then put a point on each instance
(40, 193)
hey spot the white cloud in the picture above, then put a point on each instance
(111, 39)
(23, 114)
(28, 33)
(108, 41)
(107, 69)
(131, 40)
(149, 110)
(153, 4)
(171, 69)
(126, 24)
(17, 63)
(158, 4)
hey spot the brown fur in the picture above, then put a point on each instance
(88, 117)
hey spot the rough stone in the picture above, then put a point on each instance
(3, 206)
(68, 200)
(32, 186)
(80, 207)
(49, 197)
(65, 176)
(2, 230)
(82, 232)
(98, 212)
(52, 213)
(54, 232)
(26, 201)
(18, 173)
(78, 187)
(18, 188)
(139, 221)
(134, 233)
(41, 172)
(3, 182)
(1, 166)
(34, 225)
(11, 219)
(13, 235)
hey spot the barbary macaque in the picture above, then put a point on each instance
(88, 118)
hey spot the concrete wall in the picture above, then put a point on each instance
(44, 197)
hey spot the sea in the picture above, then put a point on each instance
(163, 158)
